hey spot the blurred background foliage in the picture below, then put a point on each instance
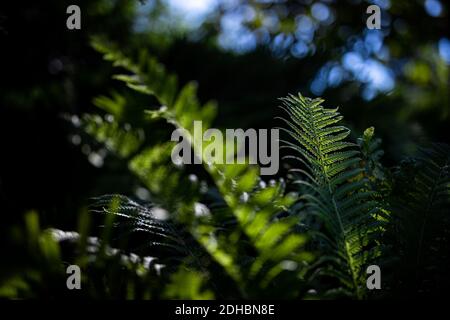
(243, 54)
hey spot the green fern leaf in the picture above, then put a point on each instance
(338, 192)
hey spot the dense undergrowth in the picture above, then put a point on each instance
(222, 231)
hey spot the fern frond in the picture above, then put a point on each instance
(338, 193)
(147, 219)
(261, 249)
(420, 206)
(121, 140)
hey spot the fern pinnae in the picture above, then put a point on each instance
(139, 218)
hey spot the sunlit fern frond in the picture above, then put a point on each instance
(256, 250)
(337, 190)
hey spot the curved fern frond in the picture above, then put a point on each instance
(261, 250)
(146, 219)
(336, 189)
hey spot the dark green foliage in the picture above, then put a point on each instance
(345, 200)
(238, 231)
(420, 228)
(107, 272)
(221, 231)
